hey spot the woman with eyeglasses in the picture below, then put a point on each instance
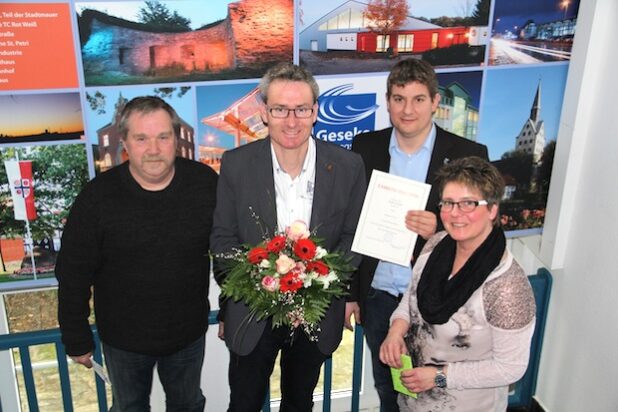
(468, 316)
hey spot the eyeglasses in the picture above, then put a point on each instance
(284, 112)
(465, 206)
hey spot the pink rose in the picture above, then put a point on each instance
(284, 264)
(270, 284)
(300, 267)
(297, 230)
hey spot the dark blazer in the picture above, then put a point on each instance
(373, 147)
(246, 180)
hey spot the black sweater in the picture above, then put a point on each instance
(146, 255)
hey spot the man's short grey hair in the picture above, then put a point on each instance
(289, 72)
(145, 105)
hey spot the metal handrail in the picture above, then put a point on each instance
(524, 389)
(23, 340)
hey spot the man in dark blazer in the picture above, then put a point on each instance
(414, 148)
(285, 177)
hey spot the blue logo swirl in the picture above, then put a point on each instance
(335, 110)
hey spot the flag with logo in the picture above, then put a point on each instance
(19, 175)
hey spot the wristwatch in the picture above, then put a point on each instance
(440, 379)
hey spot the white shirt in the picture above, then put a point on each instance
(294, 197)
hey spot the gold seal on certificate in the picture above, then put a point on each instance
(381, 232)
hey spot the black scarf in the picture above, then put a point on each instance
(440, 297)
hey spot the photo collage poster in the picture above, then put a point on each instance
(68, 67)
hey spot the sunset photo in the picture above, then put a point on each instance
(40, 117)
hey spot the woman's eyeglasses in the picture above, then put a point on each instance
(465, 206)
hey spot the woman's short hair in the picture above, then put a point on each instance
(145, 105)
(290, 72)
(476, 173)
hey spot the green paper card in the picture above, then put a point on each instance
(406, 361)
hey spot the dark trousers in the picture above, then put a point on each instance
(180, 374)
(379, 307)
(301, 362)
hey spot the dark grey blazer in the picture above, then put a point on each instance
(373, 147)
(246, 180)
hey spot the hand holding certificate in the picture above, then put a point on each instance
(381, 231)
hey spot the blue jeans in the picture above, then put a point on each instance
(180, 373)
(379, 306)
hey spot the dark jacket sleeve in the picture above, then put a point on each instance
(352, 216)
(366, 145)
(358, 187)
(223, 237)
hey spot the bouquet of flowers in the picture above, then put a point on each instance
(289, 277)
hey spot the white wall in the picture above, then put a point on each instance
(579, 364)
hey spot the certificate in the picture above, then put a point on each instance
(381, 232)
(100, 371)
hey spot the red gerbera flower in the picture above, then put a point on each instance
(304, 249)
(257, 254)
(319, 267)
(276, 245)
(290, 282)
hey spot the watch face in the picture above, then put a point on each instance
(440, 380)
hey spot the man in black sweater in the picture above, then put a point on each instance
(138, 235)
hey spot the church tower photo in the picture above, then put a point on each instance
(531, 138)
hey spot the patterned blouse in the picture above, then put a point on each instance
(486, 344)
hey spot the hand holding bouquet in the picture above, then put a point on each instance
(289, 277)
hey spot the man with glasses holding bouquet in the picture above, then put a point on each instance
(264, 187)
